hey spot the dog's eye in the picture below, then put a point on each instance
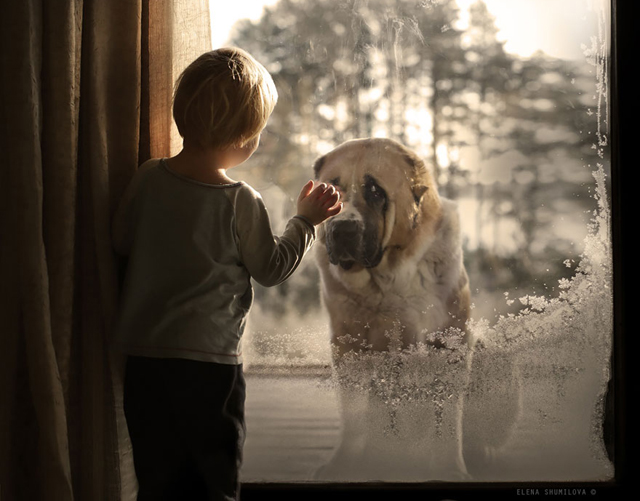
(336, 182)
(373, 192)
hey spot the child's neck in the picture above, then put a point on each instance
(206, 165)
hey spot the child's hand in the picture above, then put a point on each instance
(319, 203)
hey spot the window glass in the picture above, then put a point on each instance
(507, 103)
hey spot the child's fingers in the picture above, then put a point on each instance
(319, 190)
(334, 210)
(330, 197)
(306, 190)
(326, 191)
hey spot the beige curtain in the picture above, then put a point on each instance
(85, 92)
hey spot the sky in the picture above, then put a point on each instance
(558, 27)
(226, 12)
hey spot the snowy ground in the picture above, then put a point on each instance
(294, 426)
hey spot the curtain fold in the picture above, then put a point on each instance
(85, 93)
(36, 398)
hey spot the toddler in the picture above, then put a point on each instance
(194, 238)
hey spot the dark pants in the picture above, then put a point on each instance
(186, 422)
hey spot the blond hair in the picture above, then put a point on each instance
(223, 99)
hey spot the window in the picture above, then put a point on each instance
(510, 107)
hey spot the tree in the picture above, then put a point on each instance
(405, 70)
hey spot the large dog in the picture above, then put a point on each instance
(392, 274)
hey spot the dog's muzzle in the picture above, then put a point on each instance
(344, 241)
(348, 242)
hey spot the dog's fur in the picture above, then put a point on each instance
(391, 265)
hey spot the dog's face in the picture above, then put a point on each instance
(388, 195)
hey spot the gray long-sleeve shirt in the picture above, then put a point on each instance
(193, 248)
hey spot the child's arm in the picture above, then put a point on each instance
(121, 226)
(270, 260)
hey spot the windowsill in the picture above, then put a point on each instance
(266, 370)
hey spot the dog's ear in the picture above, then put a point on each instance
(317, 166)
(418, 191)
(418, 172)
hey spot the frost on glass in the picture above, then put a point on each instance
(520, 141)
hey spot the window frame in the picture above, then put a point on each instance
(623, 102)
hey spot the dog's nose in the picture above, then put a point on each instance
(346, 231)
